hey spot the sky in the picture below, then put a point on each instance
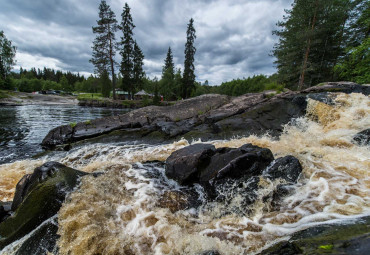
(234, 37)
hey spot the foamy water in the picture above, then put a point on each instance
(118, 212)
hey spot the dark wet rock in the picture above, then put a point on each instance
(5, 210)
(287, 168)
(140, 118)
(184, 165)
(38, 197)
(341, 86)
(362, 138)
(348, 237)
(251, 163)
(213, 252)
(42, 241)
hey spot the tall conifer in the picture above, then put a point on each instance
(127, 50)
(188, 84)
(104, 45)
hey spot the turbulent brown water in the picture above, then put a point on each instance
(118, 212)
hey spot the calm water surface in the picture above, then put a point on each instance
(22, 128)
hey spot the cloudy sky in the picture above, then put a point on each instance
(234, 37)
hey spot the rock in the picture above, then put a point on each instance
(351, 237)
(287, 168)
(213, 252)
(205, 117)
(184, 165)
(42, 241)
(39, 196)
(140, 118)
(362, 138)
(5, 209)
(251, 163)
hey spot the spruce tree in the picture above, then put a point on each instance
(104, 45)
(138, 72)
(167, 83)
(168, 63)
(188, 84)
(127, 50)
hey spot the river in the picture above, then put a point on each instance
(118, 212)
(22, 128)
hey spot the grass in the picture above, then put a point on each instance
(88, 122)
(3, 94)
(89, 96)
(326, 247)
(73, 124)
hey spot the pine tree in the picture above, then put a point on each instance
(188, 84)
(310, 42)
(104, 45)
(126, 52)
(7, 55)
(138, 72)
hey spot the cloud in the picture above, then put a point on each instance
(234, 37)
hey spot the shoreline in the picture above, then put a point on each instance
(23, 98)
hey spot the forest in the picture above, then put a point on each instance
(318, 41)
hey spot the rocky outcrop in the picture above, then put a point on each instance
(38, 197)
(206, 117)
(351, 237)
(225, 171)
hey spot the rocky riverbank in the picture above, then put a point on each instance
(23, 98)
(205, 117)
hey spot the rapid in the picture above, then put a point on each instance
(118, 212)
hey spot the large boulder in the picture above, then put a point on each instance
(38, 197)
(184, 165)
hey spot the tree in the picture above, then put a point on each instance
(104, 45)
(64, 84)
(7, 55)
(354, 66)
(105, 84)
(311, 39)
(138, 72)
(167, 83)
(189, 76)
(126, 52)
(168, 63)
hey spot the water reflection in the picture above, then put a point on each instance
(22, 128)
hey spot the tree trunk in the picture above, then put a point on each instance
(301, 78)
(112, 68)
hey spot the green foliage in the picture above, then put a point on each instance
(7, 83)
(73, 124)
(127, 50)
(3, 94)
(188, 81)
(64, 84)
(355, 67)
(7, 56)
(311, 40)
(105, 84)
(138, 71)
